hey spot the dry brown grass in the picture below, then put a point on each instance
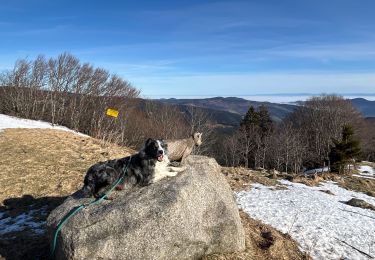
(306, 180)
(240, 178)
(47, 162)
(263, 242)
(354, 183)
(346, 181)
(372, 164)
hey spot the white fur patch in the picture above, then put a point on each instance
(162, 169)
(160, 147)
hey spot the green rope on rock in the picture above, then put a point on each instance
(77, 209)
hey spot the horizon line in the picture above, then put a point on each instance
(267, 94)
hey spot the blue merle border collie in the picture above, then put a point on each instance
(138, 169)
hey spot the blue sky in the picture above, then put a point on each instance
(204, 48)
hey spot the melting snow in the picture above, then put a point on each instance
(366, 171)
(319, 222)
(21, 222)
(317, 170)
(15, 122)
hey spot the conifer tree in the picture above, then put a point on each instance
(256, 126)
(265, 121)
(345, 150)
(251, 118)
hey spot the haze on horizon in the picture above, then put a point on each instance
(205, 49)
(275, 98)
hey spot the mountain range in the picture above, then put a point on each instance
(228, 111)
(366, 107)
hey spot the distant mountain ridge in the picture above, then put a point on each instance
(233, 105)
(230, 110)
(366, 107)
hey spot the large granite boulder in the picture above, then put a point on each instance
(184, 217)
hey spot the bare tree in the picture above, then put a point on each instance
(165, 121)
(199, 120)
(320, 119)
(233, 150)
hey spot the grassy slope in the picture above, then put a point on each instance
(41, 162)
(40, 167)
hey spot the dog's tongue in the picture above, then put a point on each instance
(160, 158)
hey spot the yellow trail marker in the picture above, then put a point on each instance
(112, 112)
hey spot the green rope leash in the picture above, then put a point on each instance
(77, 209)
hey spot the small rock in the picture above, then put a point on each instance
(360, 204)
(327, 191)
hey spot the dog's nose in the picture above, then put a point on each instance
(160, 151)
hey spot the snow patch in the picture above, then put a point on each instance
(364, 176)
(15, 122)
(21, 222)
(366, 170)
(317, 170)
(321, 223)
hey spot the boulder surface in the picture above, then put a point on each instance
(184, 217)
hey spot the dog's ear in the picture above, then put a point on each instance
(148, 141)
(164, 144)
(197, 135)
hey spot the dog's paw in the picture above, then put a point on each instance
(174, 164)
(172, 174)
(176, 169)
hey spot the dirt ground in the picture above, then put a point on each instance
(40, 167)
(263, 242)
